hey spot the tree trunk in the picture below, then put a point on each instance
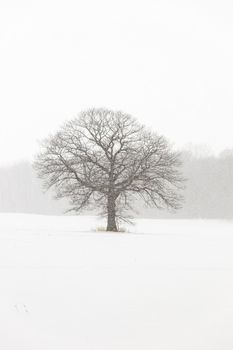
(111, 225)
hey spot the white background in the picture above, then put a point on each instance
(168, 63)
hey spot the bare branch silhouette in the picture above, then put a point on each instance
(104, 159)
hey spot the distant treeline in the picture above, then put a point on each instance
(21, 191)
(209, 188)
(208, 193)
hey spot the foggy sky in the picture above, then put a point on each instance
(168, 63)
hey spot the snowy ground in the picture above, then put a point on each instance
(168, 285)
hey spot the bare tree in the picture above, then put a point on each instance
(105, 159)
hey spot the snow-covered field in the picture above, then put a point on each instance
(167, 285)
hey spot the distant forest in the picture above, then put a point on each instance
(208, 193)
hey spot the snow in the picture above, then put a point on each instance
(166, 285)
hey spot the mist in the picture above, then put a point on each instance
(208, 190)
(22, 192)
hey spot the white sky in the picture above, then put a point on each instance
(168, 63)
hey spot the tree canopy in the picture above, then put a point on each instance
(106, 159)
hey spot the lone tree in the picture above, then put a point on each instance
(104, 159)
